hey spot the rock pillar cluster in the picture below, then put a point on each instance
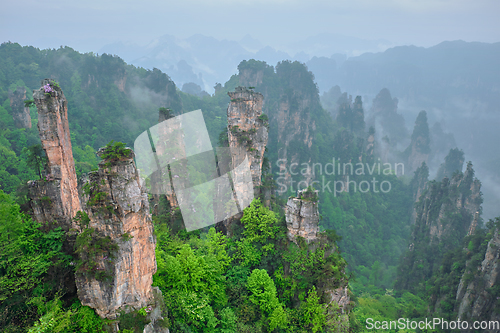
(115, 245)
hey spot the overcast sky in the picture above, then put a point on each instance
(90, 24)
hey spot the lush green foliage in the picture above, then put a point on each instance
(33, 268)
(212, 283)
(253, 281)
(115, 151)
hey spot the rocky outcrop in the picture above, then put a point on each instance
(115, 243)
(476, 299)
(419, 149)
(445, 213)
(55, 198)
(20, 113)
(120, 82)
(247, 131)
(118, 209)
(302, 216)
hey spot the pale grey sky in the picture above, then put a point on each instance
(88, 25)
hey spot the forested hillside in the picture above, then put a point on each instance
(390, 243)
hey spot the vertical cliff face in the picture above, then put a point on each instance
(370, 144)
(477, 297)
(20, 113)
(247, 131)
(445, 213)
(162, 185)
(302, 216)
(55, 198)
(118, 209)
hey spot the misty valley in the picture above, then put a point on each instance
(333, 195)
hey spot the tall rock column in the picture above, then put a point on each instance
(55, 198)
(247, 131)
(120, 275)
(302, 216)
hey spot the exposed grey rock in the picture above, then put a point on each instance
(302, 216)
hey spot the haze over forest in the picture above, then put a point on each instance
(414, 49)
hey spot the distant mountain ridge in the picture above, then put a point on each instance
(198, 58)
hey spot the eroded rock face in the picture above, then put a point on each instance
(20, 113)
(475, 301)
(445, 213)
(465, 198)
(302, 216)
(247, 131)
(122, 213)
(55, 198)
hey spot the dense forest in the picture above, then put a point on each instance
(401, 251)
